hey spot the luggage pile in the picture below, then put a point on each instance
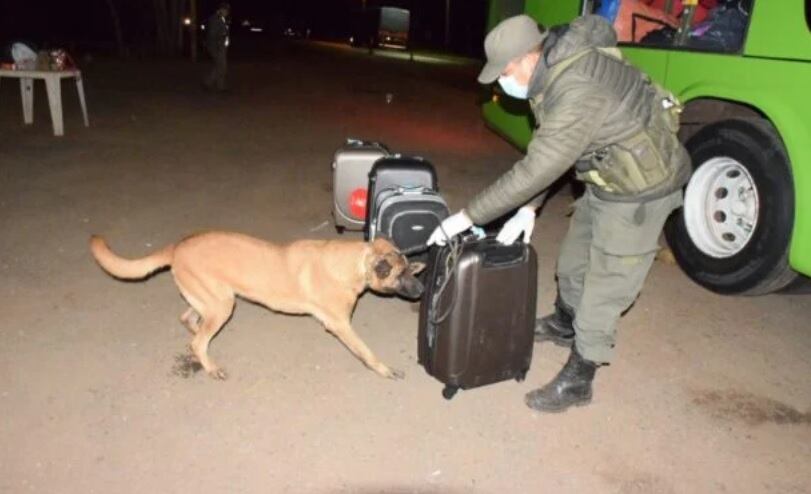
(386, 195)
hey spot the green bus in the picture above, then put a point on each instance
(745, 227)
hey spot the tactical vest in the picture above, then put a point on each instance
(650, 163)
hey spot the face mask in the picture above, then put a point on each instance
(511, 87)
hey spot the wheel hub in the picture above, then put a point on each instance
(721, 207)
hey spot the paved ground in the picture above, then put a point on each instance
(709, 394)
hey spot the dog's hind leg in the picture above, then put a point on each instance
(342, 329)
(194, 294)
(213, 303)
(191, 319)
(214, 317)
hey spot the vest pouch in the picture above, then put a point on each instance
(630, 167)
(640, 155)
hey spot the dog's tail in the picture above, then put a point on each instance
(129, 269)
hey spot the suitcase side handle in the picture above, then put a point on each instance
(503, 258)
(353, 142)
(494, 254)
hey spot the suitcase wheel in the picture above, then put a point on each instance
(340, 229)
(449, 391)
(521, 375)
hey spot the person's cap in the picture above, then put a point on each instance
(511, 39)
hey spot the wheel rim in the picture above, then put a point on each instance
(721, 207)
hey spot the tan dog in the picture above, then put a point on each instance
(323, 278)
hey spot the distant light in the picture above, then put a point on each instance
(246, 23)
(202, 27)
(187, 21)
(351, 39)
(256, 30)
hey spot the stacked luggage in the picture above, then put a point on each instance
(386, 195)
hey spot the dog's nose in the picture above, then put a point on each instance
(417, 289)
(412, 288)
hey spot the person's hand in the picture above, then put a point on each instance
(452, 225)
(522, 223)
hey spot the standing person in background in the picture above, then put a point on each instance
(217, 44)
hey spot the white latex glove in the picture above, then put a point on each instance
(452, 226)
(523, 222)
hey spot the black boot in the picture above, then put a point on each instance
(572, 386)
(556, 327)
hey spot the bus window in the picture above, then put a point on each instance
(709, 25)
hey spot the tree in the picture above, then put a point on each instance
(119, 34)
(168, 25)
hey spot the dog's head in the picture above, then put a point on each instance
(388, 271)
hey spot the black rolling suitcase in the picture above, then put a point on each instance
(404, 202)
(477, 314)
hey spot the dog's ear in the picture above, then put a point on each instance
(416, 268)
(382, 245)
(382, 269)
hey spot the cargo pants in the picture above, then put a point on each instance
(604, 260)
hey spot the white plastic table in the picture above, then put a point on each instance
(53, 84)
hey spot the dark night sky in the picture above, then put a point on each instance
(86, 25)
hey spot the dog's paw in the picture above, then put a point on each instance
(395, 374)
(218, 374)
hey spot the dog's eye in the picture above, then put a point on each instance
(383, 269)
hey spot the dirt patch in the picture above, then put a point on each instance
(749, 408)
(186, 365)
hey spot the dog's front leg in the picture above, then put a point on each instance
(342, 329)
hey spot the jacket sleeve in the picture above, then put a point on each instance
(572, 115)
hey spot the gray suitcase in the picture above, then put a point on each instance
(350, 182)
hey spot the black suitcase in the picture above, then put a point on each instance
(401, 171)
(477, 314)
(404, 204)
